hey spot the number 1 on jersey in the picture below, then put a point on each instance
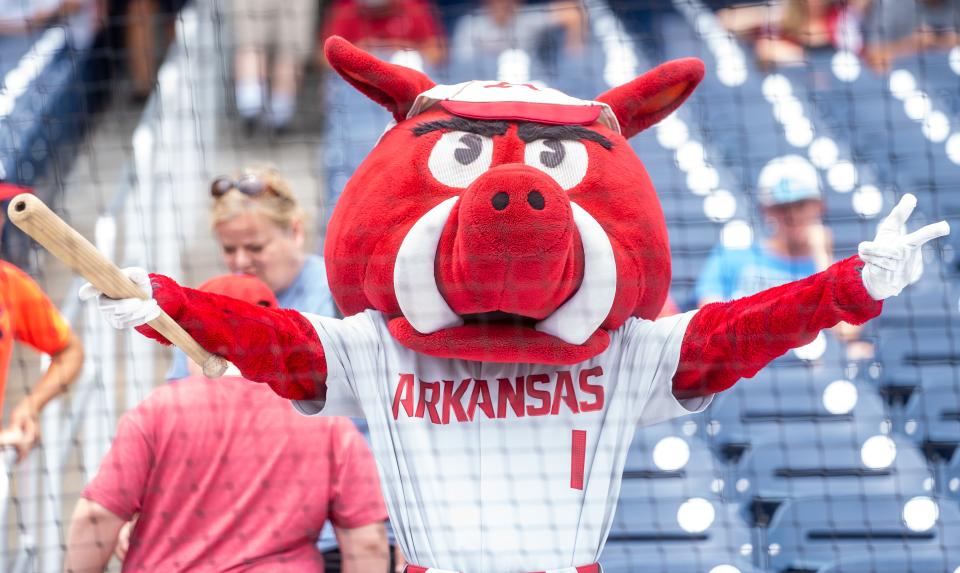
(578, 453)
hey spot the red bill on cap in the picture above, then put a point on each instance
(499, 100)
(9, 191)
(550, 113)
(247, 288)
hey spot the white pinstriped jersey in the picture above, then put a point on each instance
(498, 467)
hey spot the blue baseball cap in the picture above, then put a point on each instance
(788, 179)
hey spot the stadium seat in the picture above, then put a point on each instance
(793, 413)
(892, 564)
(807, 534)
(48, 97)
(952, 476)
(669, 461)
(819, 466)
(930, 302)
(932, 419)
(628, 557)
(676, 535)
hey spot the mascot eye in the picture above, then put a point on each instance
(564, 160)
(459, 157)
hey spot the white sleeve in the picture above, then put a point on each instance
(352, 350)
(655, 347)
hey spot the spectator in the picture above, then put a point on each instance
(895, 29)
(28, 316)
(799, 245)
(785, 32)
(748, 19)
(259, 225)
(286, 27)
(139, 20)
(388, 25)
(500, 25)
(216, 490)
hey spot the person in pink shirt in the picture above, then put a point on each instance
(223, 475)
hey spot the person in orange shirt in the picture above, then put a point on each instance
(28, 316)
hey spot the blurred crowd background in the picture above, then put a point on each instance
(202, 137)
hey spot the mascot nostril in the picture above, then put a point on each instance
(504, 357)
(536, 200)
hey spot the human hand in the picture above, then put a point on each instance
(820, 242)
(123, 539)
(125, 312)
(893, 259)
(23, 432)
(399, 561)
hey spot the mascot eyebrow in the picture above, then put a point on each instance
(525, 131)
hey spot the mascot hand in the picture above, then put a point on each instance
(125, 312)
(893, 259)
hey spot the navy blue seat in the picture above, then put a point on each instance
(952, 476)
(669, 460)
(633, 557)
(932, 417)
(827, 466)
(920, 357)
(932, 301)
(926, 355)
(58, 84)
(676, 535)
(891, 564)
(791, 414)
(807, 534)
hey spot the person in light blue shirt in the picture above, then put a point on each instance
(798, 246)
(735, 273)
(259, 226)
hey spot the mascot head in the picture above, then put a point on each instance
(503, 222)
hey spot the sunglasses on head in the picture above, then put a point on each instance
(249, 185)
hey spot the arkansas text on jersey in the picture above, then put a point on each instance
(532, 395)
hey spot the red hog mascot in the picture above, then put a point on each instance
(500, 255)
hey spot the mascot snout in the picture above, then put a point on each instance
(511, 246)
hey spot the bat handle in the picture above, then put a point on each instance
(213, 366)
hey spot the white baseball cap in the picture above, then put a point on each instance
(516, 102)
(788, 179)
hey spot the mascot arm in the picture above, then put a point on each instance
(275, 346)
(728, 341)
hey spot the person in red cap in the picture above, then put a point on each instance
(223, 475)
(28, 316)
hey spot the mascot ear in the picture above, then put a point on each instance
(651, 97)
(392, 86)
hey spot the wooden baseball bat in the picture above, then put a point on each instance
(37, 220)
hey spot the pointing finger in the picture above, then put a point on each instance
(898, 215)
(928, 233)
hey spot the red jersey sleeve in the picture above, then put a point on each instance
(34, 318)
(356, 499)
(121, 482)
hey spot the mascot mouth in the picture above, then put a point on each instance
(571, 333)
